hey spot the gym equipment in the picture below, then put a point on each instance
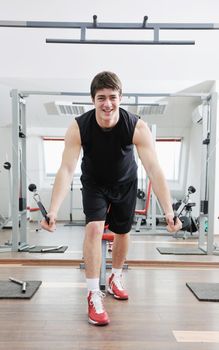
(71, 221)
(144, 25)
(180, 251)
(3, 221)
(50, 249)
(189, 223)
(31, 210)
(37, 249)
(26, 247)
(204, 291)
(18, 98)
(208, 178)
(44, 249)
(140, 194)
(143, 215)
(6, 222)
(12, 289)
(21, 283)
(36, 197)
(107, 237)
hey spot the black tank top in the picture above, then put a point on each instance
(108, 156)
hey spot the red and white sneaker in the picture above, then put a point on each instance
(96, 312)
(116, 288)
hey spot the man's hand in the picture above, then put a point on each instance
(171, 225)
(51, 226)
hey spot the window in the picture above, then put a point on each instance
(169, 152)
(53, 148)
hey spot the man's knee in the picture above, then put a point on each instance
(94, 229)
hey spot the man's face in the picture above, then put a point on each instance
(107, 103)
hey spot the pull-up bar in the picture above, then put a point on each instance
(83, 26)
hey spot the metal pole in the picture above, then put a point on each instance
(15, 169)
(153, 197)
(23, 177)
(211, 172)
(203, 177)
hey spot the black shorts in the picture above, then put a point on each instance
(113, 204)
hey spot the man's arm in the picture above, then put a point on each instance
(65, 173)
(145, 146)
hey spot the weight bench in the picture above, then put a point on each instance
(31, 210)
(141, 214)
(106, 238)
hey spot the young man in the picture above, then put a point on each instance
(109, 179)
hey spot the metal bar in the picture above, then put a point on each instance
(119, 42)
(15, 169)
(103, 266)
(156, 33)
(133, 94)
(23, 177)
(136, 100)
(51, 249)
(109, 25)
(12, 279)
(22, 283)
(153, 197)
(72, 93)
(121, 104)
(203, 177)
(211, 173)
(83, 33)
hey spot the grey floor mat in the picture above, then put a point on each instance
(204, 291)
(39, 248)
(11, 290)
(180, 251)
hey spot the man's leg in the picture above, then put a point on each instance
(92, 248)
(120, 250)
(119, 254)
(92, 257)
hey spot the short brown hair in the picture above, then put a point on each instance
(105, 80)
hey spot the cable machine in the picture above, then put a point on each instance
(19, 188)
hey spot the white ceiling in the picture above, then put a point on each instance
(28, 63)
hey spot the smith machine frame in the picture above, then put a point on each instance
(207, 196)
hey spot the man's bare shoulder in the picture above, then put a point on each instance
(73, 133)
(141, 130)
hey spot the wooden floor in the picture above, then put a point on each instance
(161, 313)
(142, 252)
(160, 305)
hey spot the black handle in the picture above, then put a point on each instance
(186, 221)
(43, 211)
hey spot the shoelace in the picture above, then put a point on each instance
(96, 300)
(118, 282)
